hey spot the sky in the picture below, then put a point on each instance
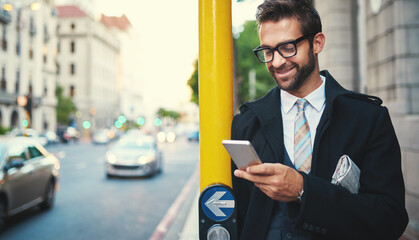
(168, 32)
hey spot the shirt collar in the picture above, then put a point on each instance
(315, 98)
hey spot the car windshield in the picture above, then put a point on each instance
(134, 143)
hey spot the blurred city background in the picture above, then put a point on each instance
(81, 75)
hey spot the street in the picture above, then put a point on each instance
(90, 206)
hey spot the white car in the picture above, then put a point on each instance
(133, 155)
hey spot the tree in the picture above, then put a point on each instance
(168, 115)
(193, 84)
(65, 106)
(246, 62)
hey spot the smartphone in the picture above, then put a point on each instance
(242, 153)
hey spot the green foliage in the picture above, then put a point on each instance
(163, 113)
(193, 84)
(246, 61)
(65, 106)
(4, 130)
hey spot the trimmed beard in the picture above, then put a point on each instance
(301, 77)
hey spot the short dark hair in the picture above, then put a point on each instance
(301, 10)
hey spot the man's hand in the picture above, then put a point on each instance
(276, 180)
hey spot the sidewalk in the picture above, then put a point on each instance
(185, 225)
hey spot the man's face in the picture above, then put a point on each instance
(289, 73)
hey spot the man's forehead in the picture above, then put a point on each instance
(278, 31)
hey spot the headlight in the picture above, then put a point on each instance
(146, 159)
(143, 160)
(111, 158)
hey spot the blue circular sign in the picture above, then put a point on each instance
(217, 203)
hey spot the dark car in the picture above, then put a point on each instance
(28, 176)
(133, 155)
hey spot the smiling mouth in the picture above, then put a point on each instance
(283, 72)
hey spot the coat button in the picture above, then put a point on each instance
(289, 235)
(323, 231)
(305, 225)
(311, 227)
(318, 229)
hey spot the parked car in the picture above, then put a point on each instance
(52, 137)
(28, 176)
(133, 155)
(32, 133)
(68, 134)
(194, 136)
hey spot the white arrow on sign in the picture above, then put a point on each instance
(214, 204)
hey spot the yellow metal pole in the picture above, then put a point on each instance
(215, 90)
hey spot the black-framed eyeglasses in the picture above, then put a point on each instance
(286, 50)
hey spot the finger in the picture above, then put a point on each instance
(265, 168)
(249, 176)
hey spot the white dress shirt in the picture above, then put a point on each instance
(313, 112)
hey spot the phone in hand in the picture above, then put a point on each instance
(242, 153)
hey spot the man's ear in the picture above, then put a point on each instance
(318, 42)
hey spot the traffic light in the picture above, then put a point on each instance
(86, 124)
(28, 106)
(157, 122)
(122, 119)
(118, 124)
(140, 121)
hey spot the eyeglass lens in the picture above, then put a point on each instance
(286, 50)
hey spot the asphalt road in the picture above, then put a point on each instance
(90, 206)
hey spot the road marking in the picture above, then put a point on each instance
(164, 225)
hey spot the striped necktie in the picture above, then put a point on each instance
(302, 139)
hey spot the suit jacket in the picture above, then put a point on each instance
(353, 124)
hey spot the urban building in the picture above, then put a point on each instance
(372, 46)
(27, 62)
(129, 78)
(88, 67)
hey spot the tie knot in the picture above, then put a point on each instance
(302, 104)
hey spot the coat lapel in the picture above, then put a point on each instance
(268, 111)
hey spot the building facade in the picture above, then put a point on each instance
(27, 62)
(129, 78)
(372, 46)
(88, 63)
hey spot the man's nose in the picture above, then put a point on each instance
(278, 60)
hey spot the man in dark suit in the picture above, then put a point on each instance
(300, 130)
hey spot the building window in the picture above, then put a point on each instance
(73, 27)
(72, 90)
(3, 79)
(45, 88)
(30, 53)
(73, 47)
(58, 68)
(4, 38)
(72, 69)
(17, 82)
(58, 47)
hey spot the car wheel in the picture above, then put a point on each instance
(48, 197)
(3, 215)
